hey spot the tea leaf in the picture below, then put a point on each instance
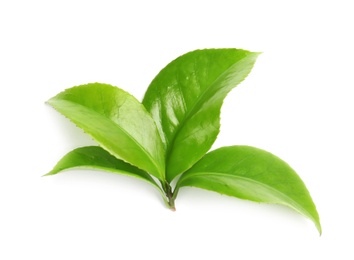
(252, 174)
(185, 100)
(94, 157)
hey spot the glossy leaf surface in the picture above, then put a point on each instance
(94, 157)
(117, 121)
(252, 174)
(185, 100)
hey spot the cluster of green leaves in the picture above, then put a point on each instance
(169, 134)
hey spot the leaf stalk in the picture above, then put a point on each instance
(169, 194)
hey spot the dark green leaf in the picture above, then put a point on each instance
(252, 174)
(117, 121)
(185, 100)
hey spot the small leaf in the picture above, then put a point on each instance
(94, 157)
(117, 121)
(185, 99)
(252, 174)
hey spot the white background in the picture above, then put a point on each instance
(297, 103)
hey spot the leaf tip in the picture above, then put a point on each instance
(256, 54)
(49, 173)
(319, 228)
(49, 102)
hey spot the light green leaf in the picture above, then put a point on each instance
(252, 174)
(117, 121)
(94, 157)
(185, 99)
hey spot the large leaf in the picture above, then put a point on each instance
(185, 99)
(252, 174)
(117, 121)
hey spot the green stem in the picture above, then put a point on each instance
(169, 194)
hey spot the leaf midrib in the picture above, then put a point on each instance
(112, 170)
(116, 125)
(191, 112)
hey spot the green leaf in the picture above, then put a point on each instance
(117, 121)
(94, 157)
(185, 99)
(252, 174)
